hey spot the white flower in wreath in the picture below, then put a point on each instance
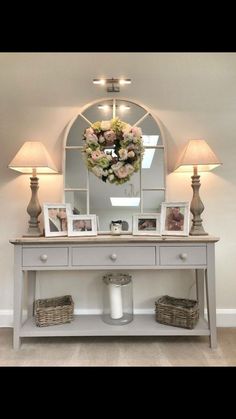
(92, 139)
(98, 171)
(124, 171)
(105, 125)
(123, 153)
(126, 128)
(101, 139)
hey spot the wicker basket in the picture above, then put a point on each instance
(53, 311)
(177, 312)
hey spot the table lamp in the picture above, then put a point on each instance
(197, 156)
(33, 158)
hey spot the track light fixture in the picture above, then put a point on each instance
(113, 85)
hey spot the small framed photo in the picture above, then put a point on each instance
(56, 219)
(175, 218)
(146, 224)
(82, 225)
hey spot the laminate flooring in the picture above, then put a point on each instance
(119, 351)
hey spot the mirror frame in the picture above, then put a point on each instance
(66, 147)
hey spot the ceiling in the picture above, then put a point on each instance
(173, 81)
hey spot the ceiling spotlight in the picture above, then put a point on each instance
(104, 107)
(113, 85)
(124, 107)
(99, 81)
(124, 81)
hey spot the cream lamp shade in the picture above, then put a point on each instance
(197, 153)
(197, 156)
(33, 158)
(33, 155)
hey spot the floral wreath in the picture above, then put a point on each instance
(113, 150)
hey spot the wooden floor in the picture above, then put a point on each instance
(119, 351)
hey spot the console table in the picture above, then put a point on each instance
(106, 252)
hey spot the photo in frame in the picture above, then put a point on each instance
(82, 225)
(146, 224)
(56, 219)
(175, 218)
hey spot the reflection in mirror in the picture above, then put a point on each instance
(95, 113)
(153, 175)
(78, 200)
(75, 134)
(149, 127)
(74, 174)
(131, 115)
(89, 194)
(152, 201)
(108, 210)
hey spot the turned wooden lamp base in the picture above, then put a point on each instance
(197, 231)
(196, 207)
(34, 209)
(33, 233)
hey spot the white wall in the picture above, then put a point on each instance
(205, 109)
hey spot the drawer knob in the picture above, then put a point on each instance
(183, 256)
(113, 256)
(44, 258)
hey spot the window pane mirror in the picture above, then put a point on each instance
(90, 195)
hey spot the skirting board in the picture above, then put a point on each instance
(224, 317)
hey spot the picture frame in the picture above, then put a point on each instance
(56, 219)
(82, 225)
(146, 224)
(175, 218)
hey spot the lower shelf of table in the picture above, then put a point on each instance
(93, 325)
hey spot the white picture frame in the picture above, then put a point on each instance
(146, 224)
(56, 221)
(175, 218)
(82, 225)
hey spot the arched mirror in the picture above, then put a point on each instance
(90, 195)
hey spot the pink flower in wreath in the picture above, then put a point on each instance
(96, 154)
(124, 171)
(110, 137)
(131, 154)
(89, 131)
(136, 131)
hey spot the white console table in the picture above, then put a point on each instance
(107, 252)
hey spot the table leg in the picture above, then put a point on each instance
(211, 297)
(31, 291)
(18, 297)
(200, 290)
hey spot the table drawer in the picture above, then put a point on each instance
(45, 256)
(183, 255)
(113, 256)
